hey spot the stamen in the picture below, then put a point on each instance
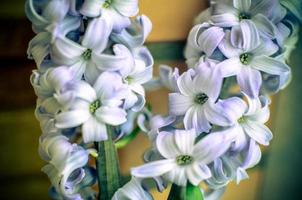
(184, 160)
(107, 3)
(241, 120)
(243, 16)
(94, 106)
(201, 98)
(245, 58)
(87, 54)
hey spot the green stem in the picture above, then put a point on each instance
(190, 192)
(107, 167)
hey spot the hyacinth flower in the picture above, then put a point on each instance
(264, 14)
(64, 160)
(94, 107)
(85, 57)
(118, 10)
(247, 60)
(198, 92)
(182, 158)
(203, 39)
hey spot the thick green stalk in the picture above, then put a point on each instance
(190, 192)
(107, 167)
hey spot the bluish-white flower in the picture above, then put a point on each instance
(66, 162)
(118, 11)
(140, 73)
(84, 58)
(134, 35)
(264, 14)
(249, 58)
(196, 100)
(184, 160)
(132, 190)
(249, 120)
(203, 39)
(50, 85)
(93, 108)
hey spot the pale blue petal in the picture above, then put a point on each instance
(250, 81)
(94, 131)
(166, 145)
(259, 132)
(269, 65)
(153, 169)
(179, 104)
(111, 116)
(97, 34)
(72, 119)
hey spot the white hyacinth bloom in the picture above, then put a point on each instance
(183, 160)
(94, 107)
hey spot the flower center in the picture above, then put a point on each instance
(184, 160)
(245, 58)
(241, 120)
(129, 79)
(94, 106)
(107, 3)
(87, 54)
(201, 98)
(243, 16)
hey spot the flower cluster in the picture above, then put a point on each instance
(237, 54)
(91, 66)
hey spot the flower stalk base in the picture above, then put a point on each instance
(190, 192)
(107, 167)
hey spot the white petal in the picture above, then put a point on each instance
(210, 39)
(196, 173)
(103, 89)
(230, 67)
(208, 80)
(185, 140)
(225, 20)
(112, 116)
(251, 38)
(269, 65)
(177, 176)
(122, 58)
(242, 5)
(91, 8)
(212, 146)
(195, 118)
(94, 131)
(261, 115)
(252, 156)
(250, 81)
(78, 69)
(216, 115)
(234, 107)
(97, 34)
(166, 145)
(128, 8)
(72, 119)
(226, 47)
(179, 104)
(264, 25)
(259, 132)
(153, 169)
(185, 84)
(84, 91)
(66, 52)
(266, 48)
(92, 72)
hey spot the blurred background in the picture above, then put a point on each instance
(278, 176)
